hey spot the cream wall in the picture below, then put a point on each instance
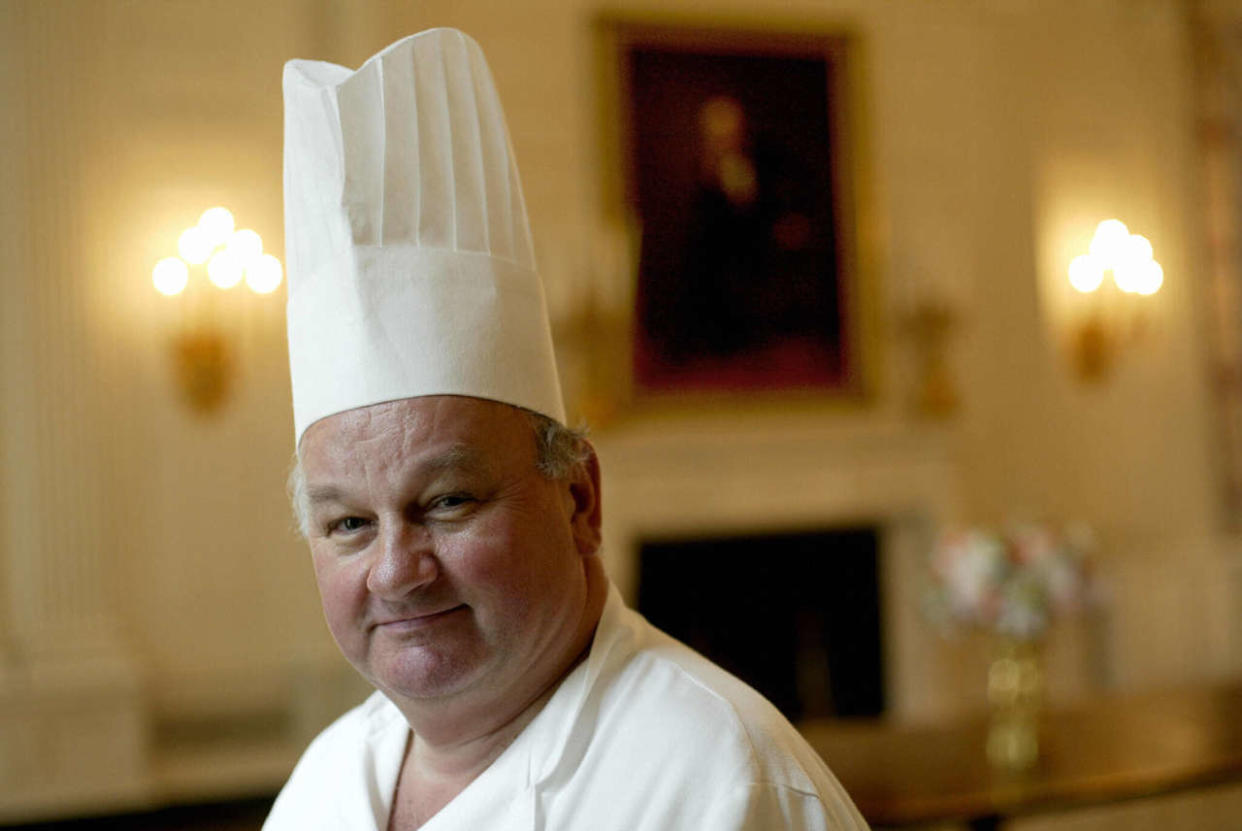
(148, 550)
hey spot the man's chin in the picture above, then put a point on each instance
(424, 674)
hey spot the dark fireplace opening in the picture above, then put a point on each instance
(795, 615)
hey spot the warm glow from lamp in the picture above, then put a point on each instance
(1112, 321)
(1129, 276)
(1152, 279)
(224, 270)
(216, 224)
(1135, 272)
(170, 275)
(1086, 273)
(246, 246)
(264, 274)
(194, 246)
(1139, 248)
(1111, 242)
(206, 332)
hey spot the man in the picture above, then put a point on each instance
(454, 522)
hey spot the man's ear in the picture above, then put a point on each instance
(584, 491)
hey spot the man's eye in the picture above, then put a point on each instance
(452, 502)
(348, 524)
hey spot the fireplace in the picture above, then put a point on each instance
(797, 615)
(715, 501)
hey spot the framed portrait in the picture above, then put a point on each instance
(734, 155)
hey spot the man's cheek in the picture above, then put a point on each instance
(342, 592)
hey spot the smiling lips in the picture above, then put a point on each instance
(418, 620)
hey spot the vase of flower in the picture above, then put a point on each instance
(1012, 584)
(1015, 697)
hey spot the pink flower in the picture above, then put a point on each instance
(1014, 581)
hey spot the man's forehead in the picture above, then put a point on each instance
(442, 431)
(331, 482)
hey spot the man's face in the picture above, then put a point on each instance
(447, 564)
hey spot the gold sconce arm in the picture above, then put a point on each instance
(1113, 310)
(203, 368)
(212, 258)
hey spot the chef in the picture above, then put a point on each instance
(454, 521)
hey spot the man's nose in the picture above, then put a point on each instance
(406, 561)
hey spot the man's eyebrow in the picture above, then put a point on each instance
(457, 457)
(316, 494)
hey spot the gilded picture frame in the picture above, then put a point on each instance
(732, 156)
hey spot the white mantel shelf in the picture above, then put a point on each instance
(716, 478)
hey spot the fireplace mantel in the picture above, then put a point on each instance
(683, 478)
(692, 480)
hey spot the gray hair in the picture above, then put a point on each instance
(559, 451)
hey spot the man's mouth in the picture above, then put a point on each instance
(418, 620)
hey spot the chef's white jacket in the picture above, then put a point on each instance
(644, 735)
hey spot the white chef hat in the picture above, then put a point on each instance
(409, 256)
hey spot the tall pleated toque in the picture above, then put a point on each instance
(411, 269)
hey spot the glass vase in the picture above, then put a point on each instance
(1015, 695)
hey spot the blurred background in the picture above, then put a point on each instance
(161, 644)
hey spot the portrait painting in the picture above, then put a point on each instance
(736, 170)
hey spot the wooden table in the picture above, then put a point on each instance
(1103, 750)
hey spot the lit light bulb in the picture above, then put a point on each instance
(1153, 279)
(216, 224)
(1129, 275)
(224, 270)
(1132, 270)
(170, 276)
(194, 246)
(1086, 273)
(264, 274)
(1111, 242)
(1139, 248)
(246, 246)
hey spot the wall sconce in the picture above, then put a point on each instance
(220, 258)
(1115, 315)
